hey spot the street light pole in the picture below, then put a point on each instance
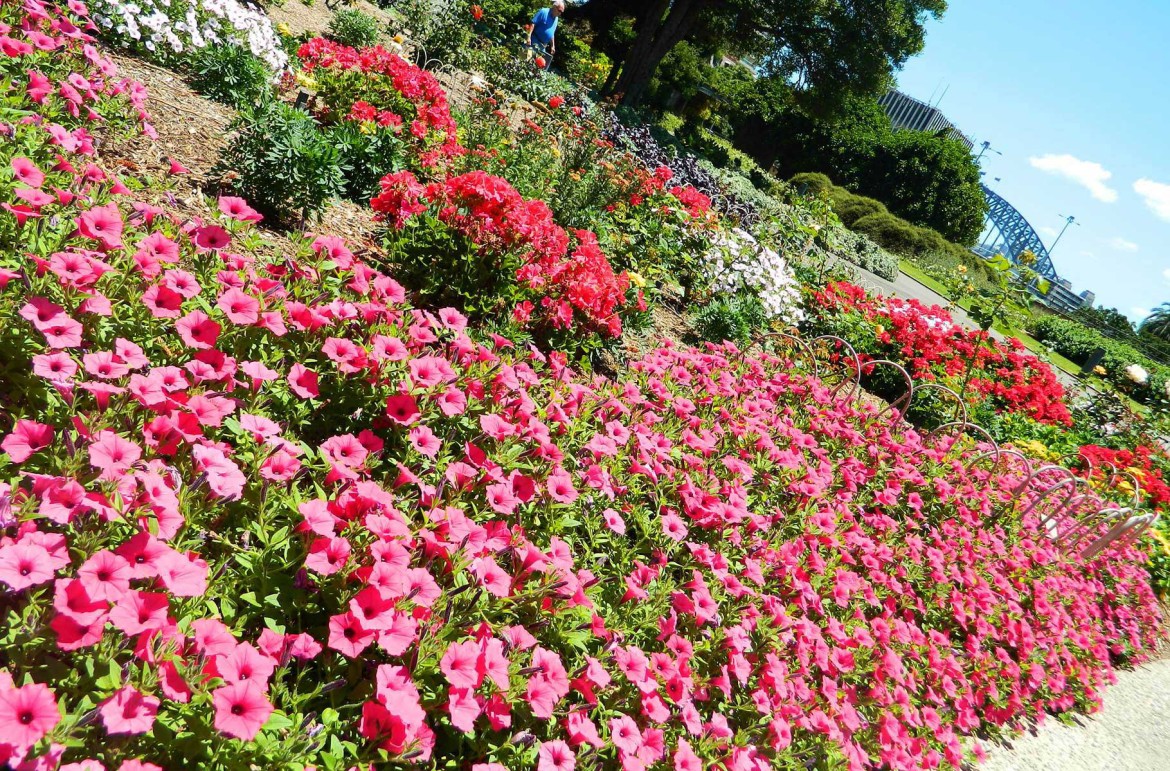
(986, 146)
(1068, 221)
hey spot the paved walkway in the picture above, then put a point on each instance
(1131, 733)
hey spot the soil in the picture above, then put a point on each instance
(193, 130)
(314, 18)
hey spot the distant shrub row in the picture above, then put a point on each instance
(1076, 342)
(871, 218)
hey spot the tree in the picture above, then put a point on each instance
(1108, 320)
(1157, 324)
(927, 179)
(823, 50)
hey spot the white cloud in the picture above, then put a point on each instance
(1044, 230)
(1156, 196)
(1166, 275)
(1123, 245)
(1138, 313)
(1088, 174)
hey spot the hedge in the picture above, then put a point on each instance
(1077, 343)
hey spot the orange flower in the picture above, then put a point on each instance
(476, 12)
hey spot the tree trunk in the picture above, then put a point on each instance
(610, 79)
(656, 36)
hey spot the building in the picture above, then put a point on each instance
(1088, 298)
(909, 114)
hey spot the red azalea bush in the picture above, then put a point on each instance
(473, 240)
(256, 511)
(932, 347)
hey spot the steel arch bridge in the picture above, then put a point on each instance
(1009, 234)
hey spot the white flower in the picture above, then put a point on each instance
(1137, 373)
(738, 262)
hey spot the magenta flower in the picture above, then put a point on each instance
(460, 665)
(198, 331)
(347, 636)
(113, 454)
(555, 756)
(302, 381)
(129, 712)
(27, 714)
(239, 307)
(27, 437)
(102, 224)
(241, 709)
(24, 170)
(424, 441)
(24, 564)
(238, 209)
(105, 576)
(211, 237)
(402, 409)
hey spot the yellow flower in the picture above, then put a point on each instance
(636, 279)
(284, 30)
(1099, 370)
(305, 80)
(879, 330)
(962, 268)
(399, 38)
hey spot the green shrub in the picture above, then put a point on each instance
(850, 207)
(811, 184)
(230, 74)
(365, 157)
(354, 28)
(861, 251)
(738, 318)
(1076, 342)
(282, 163)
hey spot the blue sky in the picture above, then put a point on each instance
(1076, 95)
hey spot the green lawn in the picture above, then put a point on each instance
(916, 273)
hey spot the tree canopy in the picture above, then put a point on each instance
(824, 50)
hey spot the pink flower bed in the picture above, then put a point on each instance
(257, 511)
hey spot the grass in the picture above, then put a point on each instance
(916, 273)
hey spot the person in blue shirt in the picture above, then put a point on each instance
(542, 31)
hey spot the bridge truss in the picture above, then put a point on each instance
(1009, 234)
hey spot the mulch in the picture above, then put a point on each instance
(193, 131)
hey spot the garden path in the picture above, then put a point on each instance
(1131, 732)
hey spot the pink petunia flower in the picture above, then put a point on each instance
(102, 224)
(129, 712)
(27, 714)
(24, 170)
(555, 756)
(241, 709)
(302, 381)
(105, 576)
(24, 564)
(27, 437)
(239, 307)
(112, 454)
(238, 209)
(423, 439)
(211, 237)
(198, 330)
